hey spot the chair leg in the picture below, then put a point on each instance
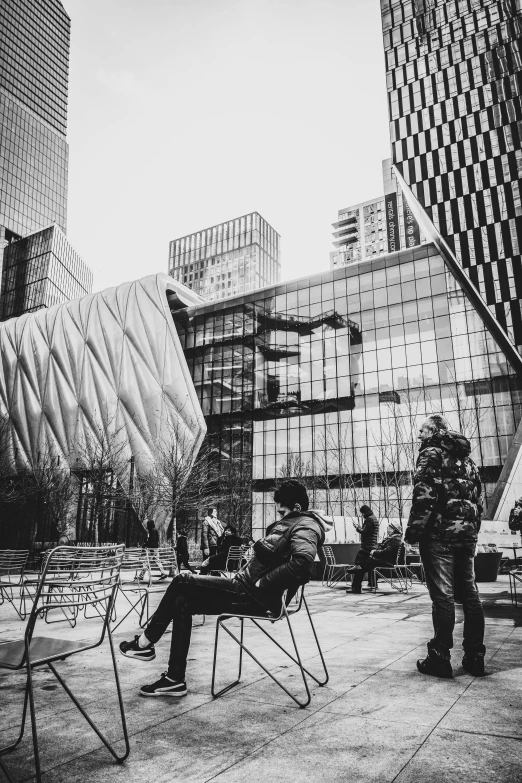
(13, 745)
(219, 623)
(119, 759)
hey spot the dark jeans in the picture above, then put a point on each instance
(449, 576)
(367, 567)
(190, 594)
(183, 561)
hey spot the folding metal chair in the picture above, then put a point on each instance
(397, 575)
(92, 583)
(57, 577)
(285, 614)
(234, 560)
(12, 565)
(133, 585)
(334, 572)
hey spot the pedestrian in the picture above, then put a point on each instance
(384, 555)
(152, 544)
(211, 533)
(445, 520)
(369, 532)
(182, 551)
(283, 560)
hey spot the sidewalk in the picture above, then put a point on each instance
(376, 720)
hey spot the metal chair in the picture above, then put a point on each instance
(92, 583)
(58, 576)
(284, 615)
(12, 565)
(395, 575)
(514, 577)
(334, 572)
(133, 585)
(234, 560)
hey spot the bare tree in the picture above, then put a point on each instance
(234, 495)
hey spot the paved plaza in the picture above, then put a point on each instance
(376, 720)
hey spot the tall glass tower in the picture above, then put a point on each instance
(454, 79)
(34, 69)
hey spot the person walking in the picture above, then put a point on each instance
(211, 533)
(445, 521)
(283, 560)
(152, 543)
(182, 551)
(384, 555)
(369, 532)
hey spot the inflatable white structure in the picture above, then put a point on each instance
(108, 363)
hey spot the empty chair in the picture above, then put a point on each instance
(12, 565)
(334, 572)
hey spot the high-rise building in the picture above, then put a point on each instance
(34, 68)
(375, 227)
(454, 79)
(41, 270)
(327, 379)
(234, 257)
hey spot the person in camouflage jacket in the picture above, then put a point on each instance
(445, 520)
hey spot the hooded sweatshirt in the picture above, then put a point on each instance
(284, 558)
(446, 504)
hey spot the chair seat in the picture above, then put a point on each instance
(43, 649)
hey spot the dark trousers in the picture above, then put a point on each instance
(367, 565)
(450, 576)
(183, 561)
(190, 594)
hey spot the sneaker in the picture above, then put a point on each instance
(474, 664)
(436, 665)
(133, 650)
(162, 577)
(164, 687)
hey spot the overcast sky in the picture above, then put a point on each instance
(185, 113)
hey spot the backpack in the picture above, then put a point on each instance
(515, 518)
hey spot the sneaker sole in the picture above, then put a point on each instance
(138, 658)
(165, 693)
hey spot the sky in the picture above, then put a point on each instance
(186, 113)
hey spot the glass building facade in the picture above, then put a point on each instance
(328, 378)
(41, 270)
(34, 64)
(454, 80)
(234, 257)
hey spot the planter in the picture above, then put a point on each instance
(487, 565)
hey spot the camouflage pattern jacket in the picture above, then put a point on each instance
(446, 504)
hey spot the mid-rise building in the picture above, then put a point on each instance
(375, 227)
(234, 257)
(41, 270)
(454, 79)
(327, 379)
(34, 72)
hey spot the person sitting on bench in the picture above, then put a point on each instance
(282, 561)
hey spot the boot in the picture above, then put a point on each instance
(436, 664)
(473, 663)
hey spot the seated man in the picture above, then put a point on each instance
(219, 562)
(283, 560)
(384, 555)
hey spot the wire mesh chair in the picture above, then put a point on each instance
(234, 560)
(58, 575)
(12, 565)
(91, 583)
(284, 615)
(133, 585)
(334, 572)
(397, 575)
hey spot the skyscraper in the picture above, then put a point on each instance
(34, 65)
(454, 79)
(234, 257)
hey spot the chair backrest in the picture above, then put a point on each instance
(163, 558)
(401, 554)
(77, 577)
(13, 561)
(328, 554)
(234, 556)
(135, 560)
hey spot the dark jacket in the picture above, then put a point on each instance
(210, 536)
(152, 540)
(369, 532)
(387, 550)
(446, 504)
(515, 516)
(284, 558)
(182, 549)
(227, 541)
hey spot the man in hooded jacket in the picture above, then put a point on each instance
(445, 521)
(282, 562)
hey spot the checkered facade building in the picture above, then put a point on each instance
(454, 80)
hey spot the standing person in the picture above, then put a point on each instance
(283, 560)
(384, 555)
(152, 544)
(445, 520)
(369, 532)
(211, 532)
(182, 551)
